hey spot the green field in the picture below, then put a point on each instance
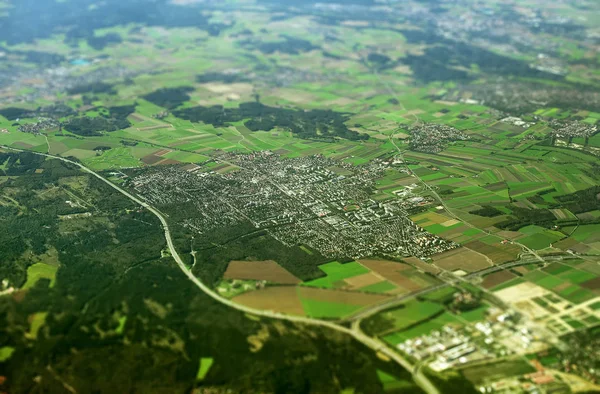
(39, 271)
(204, 367)
(324, 309)
(336, 273)
(381, 287)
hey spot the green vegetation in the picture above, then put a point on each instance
(324, 309)
(336, 273)
(6, 352)
(381, 287)
(205, 364)
(38, 271)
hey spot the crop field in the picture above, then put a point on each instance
(423, 328)
(497, 279)
(260, 270)
(403, 277)
(337, 273)
(283, 299)
(538, 237)
(461, 259)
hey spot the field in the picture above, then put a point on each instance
(561, 295)
(401, 276)
(260, 270)
(39, 271)
(496, 279)
(490, 372)
(337, 273)
(462, 259)
(309, 301)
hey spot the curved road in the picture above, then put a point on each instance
(374, 344)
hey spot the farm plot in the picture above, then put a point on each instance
(336, 274)
(267, 270)
(329, 303)
(404, 277)
(497, 279)
(283, 299)
(461, 259)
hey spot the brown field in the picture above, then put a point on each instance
(592, 284)
(151, 159)
(363, 280)
(283, 299)
(423, 266)
(521, 270)
(497, 253)
(496, 279)
(461, 258)
(431, 217)
(168, 162)
(267, 270)
(397, 273)
(340, 296)
(162, 152)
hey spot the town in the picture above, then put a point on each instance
(313, 201)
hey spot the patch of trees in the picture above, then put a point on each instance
(101, 42)
(92, 88)
(121, 112)
(581, 201)
(14, 113)
(222, 77)
(432, 66)
(52, 111)
(487, 211)
(43, 58)
(526, 217)
(169, 97)
(380, 61)
(92, 126)
(320, 124)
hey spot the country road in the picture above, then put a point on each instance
(374, 344)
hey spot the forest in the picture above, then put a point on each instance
(317, 124)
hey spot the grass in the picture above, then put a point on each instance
(205, 364)
(337, 272)
(412, 313)
(6, 353)
(475, 314)
(38, 271)
(421, 329)
(381, 287)
(324, 309)
(121, 326)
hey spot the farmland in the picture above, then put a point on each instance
(408, 171)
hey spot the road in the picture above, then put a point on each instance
(374, 344)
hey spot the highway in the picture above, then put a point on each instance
(373, 343)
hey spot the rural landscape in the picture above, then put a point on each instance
(268, 196)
